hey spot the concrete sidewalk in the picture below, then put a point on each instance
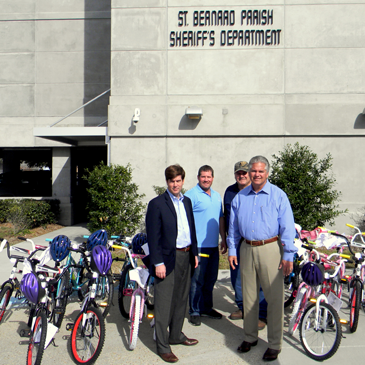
(218, 339)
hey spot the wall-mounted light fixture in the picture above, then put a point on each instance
(194, 112)
(136, 115)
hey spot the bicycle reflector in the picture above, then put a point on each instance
(101, 260)
(60, 246)
(97, 238)
(313, 273)
(32, 288)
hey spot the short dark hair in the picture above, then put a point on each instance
(173, 171)
(206, 168)
(258, 159)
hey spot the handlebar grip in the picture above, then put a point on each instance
(345, 256)
(21, 238)
(114, 237)
(85, 236)
(350, 225)
(49, 239)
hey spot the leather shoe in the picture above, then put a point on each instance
(169, 357)
(271, 354)
(189, 342)
(246, 346)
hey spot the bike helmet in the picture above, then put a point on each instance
(60, 246)
(138, 241)
(32, 288)
(313, 273)
(101, 260)
(97, 238)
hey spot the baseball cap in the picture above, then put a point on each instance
(241, 166)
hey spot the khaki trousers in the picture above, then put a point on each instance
(259, 266)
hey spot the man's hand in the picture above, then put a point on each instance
(233, 261)
(160, 271)
(224, 247)
(287, 267)
(196, 262)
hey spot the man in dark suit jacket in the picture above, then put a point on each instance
(173, 256)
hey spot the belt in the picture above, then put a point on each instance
(261, 242)
(185, 249)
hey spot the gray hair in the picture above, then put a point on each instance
(258, 159)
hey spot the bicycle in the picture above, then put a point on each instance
(126, 284)
(88, 331)
(138, 292)
(37, 288)
(78, 281)
(356, 283)
(12, 285)
(319, 324)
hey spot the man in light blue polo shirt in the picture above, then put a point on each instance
(209, 223)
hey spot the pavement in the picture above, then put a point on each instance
(218, 339)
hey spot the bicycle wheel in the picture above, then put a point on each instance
(320, 333)
(298, 309)
(104, 294)
(37, 339)
(355, 306)
(61, 297)
(136, 313)
(150, 292)
(87, 339)
(126, 288)
(5, 295)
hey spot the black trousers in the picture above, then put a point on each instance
(171, 296)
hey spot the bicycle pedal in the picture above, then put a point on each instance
(69, 326)
(53, 343)
(25, 333)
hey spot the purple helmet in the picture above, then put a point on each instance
(313, 273)
(60, 246)
(97, 238)
(31, 287)
(101, 260)
(138, 241)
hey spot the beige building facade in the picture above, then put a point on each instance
(261, 73)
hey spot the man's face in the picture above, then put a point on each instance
(175, 185)
(242, 178)
(258, 175)
(205, 180)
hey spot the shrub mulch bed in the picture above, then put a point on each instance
(6, 231)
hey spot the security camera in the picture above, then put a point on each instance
(136, 115)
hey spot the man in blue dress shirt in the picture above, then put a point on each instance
(242, 181)
(261, 214)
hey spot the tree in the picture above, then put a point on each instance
(114, 203)
(309, 183)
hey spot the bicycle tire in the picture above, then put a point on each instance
(323, 342)
(136, 313)
(104, 293)
(126, 287)
(87, 340)
(298, 309)
(355, 306)
(61, 297)
(150, 292)
(37, 339)
(5, 295)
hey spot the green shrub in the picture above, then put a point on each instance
(113, 200)
(309, 183)
(29, 213)
(5, 206)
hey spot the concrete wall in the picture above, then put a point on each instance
(54, 57)
(309, 87)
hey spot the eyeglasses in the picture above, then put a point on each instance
(241, 172)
